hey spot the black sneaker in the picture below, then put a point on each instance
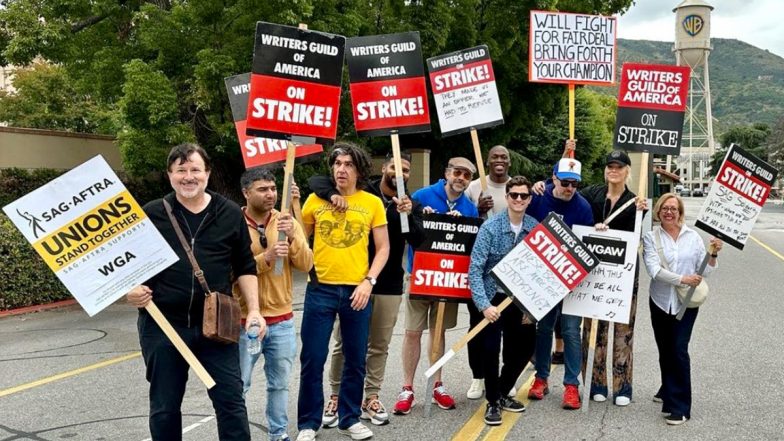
(512, 405)
(558, 357)
(672, 420)
(493, 414)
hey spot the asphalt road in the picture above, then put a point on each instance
(737, 361)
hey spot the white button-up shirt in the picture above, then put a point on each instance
(683, 255)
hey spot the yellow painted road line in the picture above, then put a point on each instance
(473, 428)
(82, 370)
(771, 250)
(499, 433)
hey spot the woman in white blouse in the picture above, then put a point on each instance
(684, 250)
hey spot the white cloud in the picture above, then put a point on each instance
(757, 22)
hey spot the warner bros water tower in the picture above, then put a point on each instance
(692, 48)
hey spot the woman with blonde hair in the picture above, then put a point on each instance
(673, 253)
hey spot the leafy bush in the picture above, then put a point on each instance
(26, 280)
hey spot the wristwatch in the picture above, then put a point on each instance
(715, 255)
(372, 280)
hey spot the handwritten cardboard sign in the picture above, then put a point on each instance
(440, 267)
(464, 90)
(606, 293)
(571, 48)
(541, 270)
(92, 234)
(651, 107)
(736, 197)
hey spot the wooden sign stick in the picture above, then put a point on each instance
(464, 340)
(480, 165)
(435, 351)
(588, 377)
(288, 177)
(399, 183)
(183, 349)
(571, 111)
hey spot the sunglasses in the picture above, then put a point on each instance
(520, 196)
(262, 236)
(567, 184)
(465, 174)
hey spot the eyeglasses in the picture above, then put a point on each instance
(520, 196)
(465, 174)
(262, 236)
(566, 184)
(670, 209)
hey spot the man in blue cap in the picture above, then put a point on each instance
(560, 197)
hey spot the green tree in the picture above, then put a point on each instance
(752, 138)
(155, 68)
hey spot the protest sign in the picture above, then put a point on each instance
(736, 197)
(92, 233)
(651, 106)
(295, 83)
(464, 90)
(571, 48)
(440, 267)
(606, 293)
(388, 90)
(261, 151)
(541, 270)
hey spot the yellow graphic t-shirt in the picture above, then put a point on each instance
(340, 246)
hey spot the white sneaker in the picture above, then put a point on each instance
(476, 390)
(512, 392)
(599, 398)
(357, 431)
(622, 401)
(306, 435)
(330, 416)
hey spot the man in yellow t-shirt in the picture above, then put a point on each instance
(345, 281)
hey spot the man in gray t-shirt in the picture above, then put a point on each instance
(494, 199)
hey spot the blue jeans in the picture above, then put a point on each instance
(279, 348)
(322, 304)
(570, 330)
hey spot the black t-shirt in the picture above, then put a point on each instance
(194, 221)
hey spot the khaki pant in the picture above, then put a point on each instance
(382, 323)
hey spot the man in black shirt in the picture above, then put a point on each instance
(215, 228)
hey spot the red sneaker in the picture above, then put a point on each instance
(442, 397)
(405, 401)
(539, 389)
(571, 397)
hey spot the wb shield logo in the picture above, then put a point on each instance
(606, 249)
(693, 24)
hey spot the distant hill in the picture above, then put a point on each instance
(747, 83)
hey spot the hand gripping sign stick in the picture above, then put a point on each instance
(401, 186)
(288, 178)
(175, 338)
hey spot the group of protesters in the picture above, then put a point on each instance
(357, 283)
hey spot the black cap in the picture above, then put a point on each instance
(618, 156)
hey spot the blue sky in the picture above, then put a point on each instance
(757, 22)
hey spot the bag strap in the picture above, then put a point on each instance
(196, 269)
(659, 248)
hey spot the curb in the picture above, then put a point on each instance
(37, 308)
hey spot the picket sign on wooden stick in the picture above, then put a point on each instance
(175, 338)
(571, 110)
(399, 183)
(465, 339)
(480, 165)
(589, 364)
(288, 177)
(435, 351)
